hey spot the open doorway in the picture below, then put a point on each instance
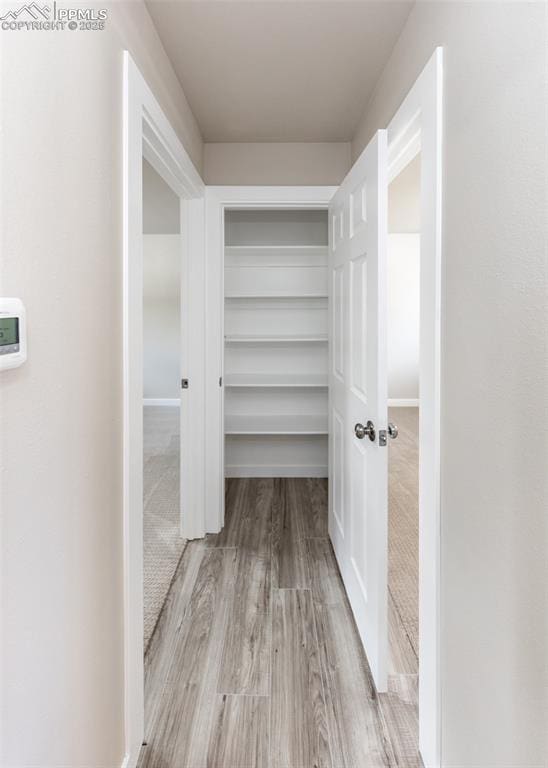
(403, 363)
(162, 540)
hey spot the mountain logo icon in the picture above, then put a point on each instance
(33, 10)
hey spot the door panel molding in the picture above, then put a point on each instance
(360, 543)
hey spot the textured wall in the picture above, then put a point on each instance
(161, 316)
(300, 164)
(495, 384)
(403, 316)
(161, 206)
(404, 200)
(61, 413)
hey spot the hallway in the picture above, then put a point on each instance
(255, 660)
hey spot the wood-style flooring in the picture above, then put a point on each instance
(256, 662)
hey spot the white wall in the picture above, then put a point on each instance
(494, 378)
(404, 199)
(276, 228)
(403, 316)
(61, 552)
(161, 316)
(315, 163)
(161, 287)
(161, 207)
(403, 283)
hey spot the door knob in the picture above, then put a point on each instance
(391, 431)
(369, 430)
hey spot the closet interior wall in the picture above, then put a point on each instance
(275, 352)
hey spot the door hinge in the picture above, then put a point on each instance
(220, 381)
(184, 383)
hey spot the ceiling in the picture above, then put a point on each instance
(290, 70)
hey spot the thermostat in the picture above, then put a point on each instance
(13, 333)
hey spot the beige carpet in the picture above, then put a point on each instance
(162, 545)
(403, 521)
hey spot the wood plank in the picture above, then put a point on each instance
(299, 689)
(187, 698)
(239, 734)
(247, 515)
(298, 721)
(289, 562)
(159, 656)
(356, 730)
(311, 497)
(245, 664)
(325, 580)
(203, 721)
(236, 491)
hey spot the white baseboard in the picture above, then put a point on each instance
(170, 401)
(275, 470)
(130, 761)
(403, 402)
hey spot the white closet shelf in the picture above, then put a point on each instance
(322, 248)
(275, 256)
(298, 338)
(275, 380)
(276, 424)
(273, 265)
(279, 303)
(276, 296)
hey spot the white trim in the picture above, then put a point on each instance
(174, 402)
(418, 125)
(217, 200)
(403, 402)
(192, 360)
(406, 146)
(129, 761)
(276, 470)
(146, 131)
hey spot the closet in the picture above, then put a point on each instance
(275, 343)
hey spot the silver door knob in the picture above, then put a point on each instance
(393, 430)
(369, 430)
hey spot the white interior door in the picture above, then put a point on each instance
(192, 370)
(358, 506)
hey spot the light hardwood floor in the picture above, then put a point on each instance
(255, 661)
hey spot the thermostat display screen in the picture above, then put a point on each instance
(9, 331)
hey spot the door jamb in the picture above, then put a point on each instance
(147, 132)
(219, 199)
(417, 126)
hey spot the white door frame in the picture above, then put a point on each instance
(219, 199)
(417, 127)
(147, 132)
